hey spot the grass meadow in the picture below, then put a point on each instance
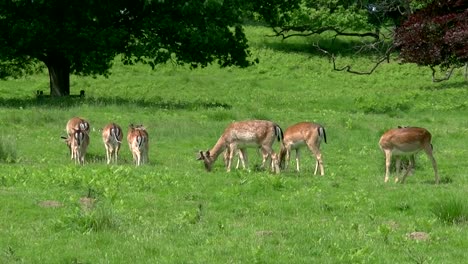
(173, 211)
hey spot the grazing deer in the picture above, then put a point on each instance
(406, 141)
(78, 142)
(240, 135)
(112, 138)
(300, 135)
(138, 140)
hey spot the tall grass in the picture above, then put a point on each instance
(7, 149)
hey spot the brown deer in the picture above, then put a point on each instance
(112, 137)
(300, 135)
(403, 142)
(78, 142)
(138, 142)
(240, 135)
(74, 124)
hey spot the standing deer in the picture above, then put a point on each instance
(138, 142)
(240, 135)
(74, 124)
(300, 135)
(112, 137)
(78, 142)
(406, 141)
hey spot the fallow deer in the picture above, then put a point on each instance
(300, 135)
(406, 141)
(112, 137)
(240, 135)
(75, 123)
(138, 142)
(78, 141)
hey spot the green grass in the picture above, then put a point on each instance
(173, 211)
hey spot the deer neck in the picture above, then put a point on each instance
(217, 149)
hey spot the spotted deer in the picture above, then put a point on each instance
(138, 142)
(240, 135)
(75, 123)
(300, 135)
(78, 142)
(403, 142)
(112, 137)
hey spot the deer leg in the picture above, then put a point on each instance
(410, 165)
(231, 149)
(314, 148)
(242, 158)
(298, 158)
(287, 158)
(266, 152)
(388, 159)
(428, 151)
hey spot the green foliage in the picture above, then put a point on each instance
(83, 37)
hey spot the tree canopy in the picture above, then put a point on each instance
(436, 35)
(427, 32)
(83, 37)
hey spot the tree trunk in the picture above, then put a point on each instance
(59, 73)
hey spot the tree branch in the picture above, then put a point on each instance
(283, 32)
(347, 68)
(448, 74)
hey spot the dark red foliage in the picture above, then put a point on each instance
(435, 35)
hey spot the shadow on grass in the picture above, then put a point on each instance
(66, 102)
(312, 45)
(446, 85)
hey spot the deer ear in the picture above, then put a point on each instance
(208, 153)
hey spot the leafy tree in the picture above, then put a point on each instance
(343, 17)
(371, 21)
(436, 35)
(83, 37)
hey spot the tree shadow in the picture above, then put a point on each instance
(68, 102)
(446, 85)
(315, 46)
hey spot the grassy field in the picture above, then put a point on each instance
(173, 211)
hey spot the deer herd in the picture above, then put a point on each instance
(258, 134)
(77, 141)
